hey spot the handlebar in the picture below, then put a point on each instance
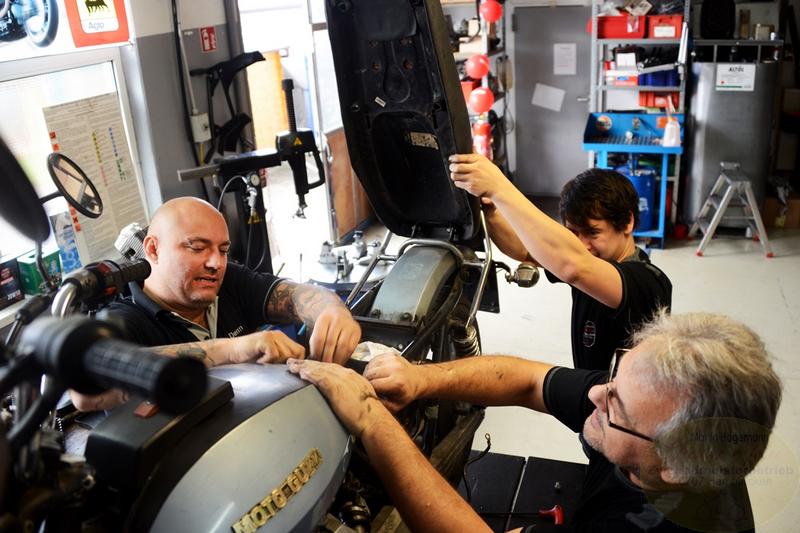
(84, 356)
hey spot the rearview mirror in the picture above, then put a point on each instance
(74, 185)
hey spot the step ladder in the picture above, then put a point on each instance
(732, 189)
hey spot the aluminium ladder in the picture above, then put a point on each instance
(732, 183)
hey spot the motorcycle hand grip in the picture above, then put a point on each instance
(174, 384)
(84, 355)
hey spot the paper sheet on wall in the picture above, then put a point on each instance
(548, 97)
(565, 59)
(91, 133)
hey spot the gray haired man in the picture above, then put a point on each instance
(670, 430)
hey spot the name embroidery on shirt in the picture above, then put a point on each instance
(589, 334)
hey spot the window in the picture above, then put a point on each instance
(28, 86)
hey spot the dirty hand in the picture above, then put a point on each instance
(350, 396)
(98, 402)
(335, 335)
(477, 175)
(266, 347)
(397, 381)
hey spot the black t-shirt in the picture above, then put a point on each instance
(241, 310)
(598, 330)
(610, 503)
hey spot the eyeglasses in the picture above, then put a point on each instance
(612, 373)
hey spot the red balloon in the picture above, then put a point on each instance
(477, 66)
(481, 100)
(491, 10)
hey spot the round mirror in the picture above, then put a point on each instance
(19, 204)
(73, 183)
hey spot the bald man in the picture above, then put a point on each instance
(197, 304)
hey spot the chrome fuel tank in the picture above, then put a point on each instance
(269, 459)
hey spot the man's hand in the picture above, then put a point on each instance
(335, 335)
(396, 381)
(265, 347)
(98, 402)
(477, 175)
(350, 396)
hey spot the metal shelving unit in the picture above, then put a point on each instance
(598, 97)
(599, 46)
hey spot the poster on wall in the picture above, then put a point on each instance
(34, 28)
(91, 133)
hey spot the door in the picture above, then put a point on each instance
(549, 142)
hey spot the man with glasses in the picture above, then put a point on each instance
(670, 431)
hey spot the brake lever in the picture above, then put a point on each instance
(526, 274)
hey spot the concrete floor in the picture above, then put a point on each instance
(733, 278)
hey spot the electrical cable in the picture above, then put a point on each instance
(264, 246)
(186, 120)
(249, 245)
(225, 189)
(480, 456)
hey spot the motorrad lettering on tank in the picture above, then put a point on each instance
(35, 19)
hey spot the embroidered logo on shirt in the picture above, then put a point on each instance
(589, 334)
(236, 332)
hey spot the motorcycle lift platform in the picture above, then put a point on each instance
(510, 491)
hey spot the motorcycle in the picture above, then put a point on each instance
(258, 448)
(35, 19)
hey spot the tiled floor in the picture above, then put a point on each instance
(732, 278)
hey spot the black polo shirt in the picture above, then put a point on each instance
(242, 303)
(598, 330)
(610, 502)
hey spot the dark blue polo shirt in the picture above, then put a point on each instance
(241, 310)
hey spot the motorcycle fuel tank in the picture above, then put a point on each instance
(269, 459)
(403, 113)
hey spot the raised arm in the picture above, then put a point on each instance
(484, 380)
(335, 333)
(552, 245)
(502, 234)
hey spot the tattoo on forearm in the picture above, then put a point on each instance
(280, 305)
(290, 301)
(189, 349)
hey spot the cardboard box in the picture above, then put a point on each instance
(776, 215)
(32, 282)
(10, 284)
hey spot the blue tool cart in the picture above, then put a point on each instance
(634, 133)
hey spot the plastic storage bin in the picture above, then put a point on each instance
(653, 99)
(664, 78)
(664, 26)
(619, 27)
(644, 181)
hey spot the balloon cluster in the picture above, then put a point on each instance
(477, 66)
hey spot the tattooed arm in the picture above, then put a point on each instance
(334, 332)
(262, 347)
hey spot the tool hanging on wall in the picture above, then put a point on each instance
(293, 145)
(226, 137)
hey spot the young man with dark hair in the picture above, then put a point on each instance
(615, 288)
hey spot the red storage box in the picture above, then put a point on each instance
(621, 27)
(653, 99)
(664, 26)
